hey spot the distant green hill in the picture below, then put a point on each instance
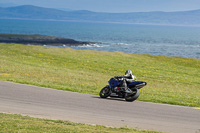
(163, 18)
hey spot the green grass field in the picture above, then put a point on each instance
(24, 124)
(171, 80)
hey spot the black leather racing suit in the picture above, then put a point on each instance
(127, 78)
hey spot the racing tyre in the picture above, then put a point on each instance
(133, 96)
(105, 92)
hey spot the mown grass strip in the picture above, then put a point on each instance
(10, 123)
(171, 80)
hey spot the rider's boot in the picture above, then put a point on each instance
(126, 89)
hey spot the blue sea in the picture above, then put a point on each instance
(181, 41)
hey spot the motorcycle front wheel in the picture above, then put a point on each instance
(133, 96)
(105, 92)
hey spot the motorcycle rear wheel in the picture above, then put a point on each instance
(105, 92)
(133, 96)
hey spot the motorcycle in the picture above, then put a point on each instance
(116, 89)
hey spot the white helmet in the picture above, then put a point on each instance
(128, 72)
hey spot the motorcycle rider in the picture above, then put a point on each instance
(128, 77)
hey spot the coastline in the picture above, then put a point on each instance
(37, 39)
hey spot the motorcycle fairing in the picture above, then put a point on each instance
(136, 84)
(113, 83)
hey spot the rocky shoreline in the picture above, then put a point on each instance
(40, 40)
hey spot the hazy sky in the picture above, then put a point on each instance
(113, 5)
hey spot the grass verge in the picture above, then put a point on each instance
(172, 80)
(25, 124)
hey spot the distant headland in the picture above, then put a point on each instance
(37, 39)
(31, 12)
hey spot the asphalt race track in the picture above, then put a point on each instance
(84, 108)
